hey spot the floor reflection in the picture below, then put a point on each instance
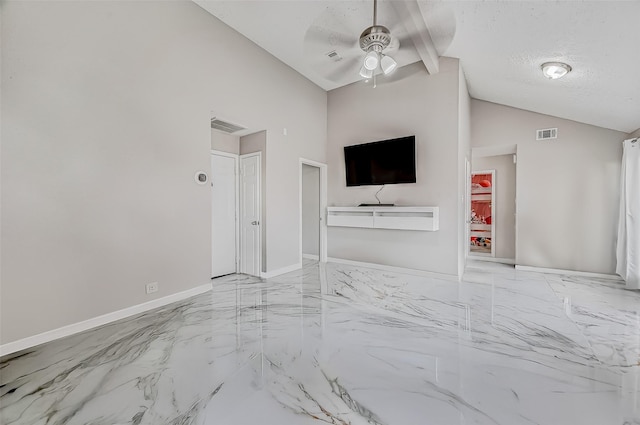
(339, 344)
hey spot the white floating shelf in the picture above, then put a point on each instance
(401, 218)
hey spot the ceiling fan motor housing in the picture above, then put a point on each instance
(376, 38)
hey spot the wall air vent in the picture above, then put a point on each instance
(546, 134)
(225, 126)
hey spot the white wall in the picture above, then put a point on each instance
(567, 189)
(251, 143)
(225, 142)
(634, 134)
(412, 102)
(310, 208)
(107, 109)
(505, 197)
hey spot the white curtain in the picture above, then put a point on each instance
(628, 245)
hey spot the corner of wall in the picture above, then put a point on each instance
(464, 158)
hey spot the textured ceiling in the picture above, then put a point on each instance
(500, 44)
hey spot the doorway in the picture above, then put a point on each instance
(310, 212)
(503, 217)
(313, 204)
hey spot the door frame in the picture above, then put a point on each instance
(323, 207)
(241, 157)
(467, 206)
(237, 193)
(489, 151)
(515, 201)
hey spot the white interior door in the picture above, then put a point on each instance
(250, 212)
(223, 211)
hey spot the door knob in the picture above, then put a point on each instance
(255, 223)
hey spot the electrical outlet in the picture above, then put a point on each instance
(151, 287)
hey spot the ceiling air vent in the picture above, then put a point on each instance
(225, 126)
(334, 56)
(546, 134)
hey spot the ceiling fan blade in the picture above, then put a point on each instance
(321, 39)
(331, 45)
(396, 44)
(325, 62)
(440, 18)
(440, 22)
(398, 74)
(345, 67)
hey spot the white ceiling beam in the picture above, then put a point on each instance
(411, 17)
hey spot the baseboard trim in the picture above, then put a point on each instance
(94, 322)
(311, 257)
(414, 272)
(568, 272)
(511, 261)
(283, 270)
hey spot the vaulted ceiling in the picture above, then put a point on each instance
(501, 45)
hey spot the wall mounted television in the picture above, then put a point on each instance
(390, 161)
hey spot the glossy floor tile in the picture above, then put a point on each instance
(339, 344)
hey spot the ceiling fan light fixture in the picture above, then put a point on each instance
(388, 64)
(373, 41)
(371, 60)
(366, 73)
(555, 70)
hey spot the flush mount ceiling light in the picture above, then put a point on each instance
(373, 41)
(555, 70)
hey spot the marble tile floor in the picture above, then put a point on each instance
(338, 344)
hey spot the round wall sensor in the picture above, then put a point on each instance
(201, 177)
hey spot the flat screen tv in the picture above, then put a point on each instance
(385, 162)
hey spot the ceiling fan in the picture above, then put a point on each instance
(373, 41)
(340, 52)
(336, 47)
